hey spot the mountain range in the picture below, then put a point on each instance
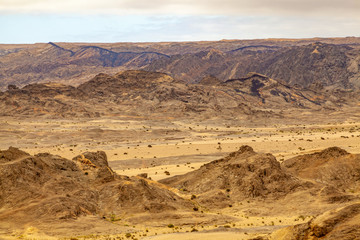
(330, 62)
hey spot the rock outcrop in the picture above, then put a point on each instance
(241, 175)
(48, 187)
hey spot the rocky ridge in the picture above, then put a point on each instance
(48, 187)
(331, 62)
(141, 93)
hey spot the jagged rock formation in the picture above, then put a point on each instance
(341, 223)
(48, 187)
(245, 174)
(258, 87)
(241, 175)
(105, 85)
(332, 166)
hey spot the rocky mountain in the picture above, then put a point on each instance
(327, 64)
(330, 62)
(52, 62)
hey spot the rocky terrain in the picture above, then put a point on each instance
(172, 140)
(332, 62)
(244, 175)
(158, 95)
(340, 223)
(45, 187)
(241, 175)
(36, 190)
(333, 166)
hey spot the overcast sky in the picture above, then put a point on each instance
(29, 21)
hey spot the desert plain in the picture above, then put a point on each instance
(233, 139)
(173, 147)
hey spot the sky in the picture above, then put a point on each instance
(31, 21)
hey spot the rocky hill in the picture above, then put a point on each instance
(260, 88)
(329, 176)
(48, 187)
(341, 223)
(141, 93)
(241, 175)
(45, 188)
(332, 166)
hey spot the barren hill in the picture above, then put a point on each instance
(141, 93)
(48, 190)
(341, 223)
(246, 174)
(48, 187)
(260, 88)
(241, 175)
(333, 166)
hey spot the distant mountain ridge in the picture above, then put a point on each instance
(332, 62)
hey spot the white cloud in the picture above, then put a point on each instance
(330, 8)
(175, 20)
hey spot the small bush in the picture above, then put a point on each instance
(302, 217)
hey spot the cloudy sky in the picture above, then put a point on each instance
(29, 21)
